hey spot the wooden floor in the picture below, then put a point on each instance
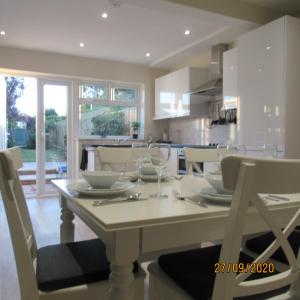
(45, 215)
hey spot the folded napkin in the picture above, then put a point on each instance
(189, 186)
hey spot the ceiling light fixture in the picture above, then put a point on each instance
(104, 15)
(2, 32)
(187, 32)
(268, 47)
(115, 3)
(81, 45)
(148, 54)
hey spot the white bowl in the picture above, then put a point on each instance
(148, 169)
(101, 179)
(216, 181)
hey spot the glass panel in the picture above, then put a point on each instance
(123, 94)
(93, 91)
(105, 121)
(20, 127)
(55, 116)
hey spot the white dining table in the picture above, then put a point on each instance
(141, 230)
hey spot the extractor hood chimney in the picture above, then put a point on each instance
(214, 86)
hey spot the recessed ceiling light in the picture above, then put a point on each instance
(268, 47)
(187, 32)
(81, 45)
(148, 54)
(104, 15)
(2, 32)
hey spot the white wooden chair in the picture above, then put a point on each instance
(76, 271)
(116, 158)
(194, 155)
(190, 274)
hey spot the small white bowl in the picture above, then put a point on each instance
(148, 169)
(216, 181)
(101, 179)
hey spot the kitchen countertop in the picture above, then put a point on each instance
(172, 146)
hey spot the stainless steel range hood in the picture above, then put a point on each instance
(214, 86)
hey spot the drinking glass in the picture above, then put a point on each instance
(139, 152)
(270, 150)
(159, 155)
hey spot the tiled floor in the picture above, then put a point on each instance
(45, 215)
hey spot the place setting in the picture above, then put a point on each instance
(204, 190)
(101, 184)
(113, 187)
(213, 192)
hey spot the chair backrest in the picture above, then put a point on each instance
(248, 177)
(21, 231)
(116, 157)
(193, 155)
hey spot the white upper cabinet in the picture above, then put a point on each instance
(230, 91)
(260, 85)
(268, 85)
(172, 97)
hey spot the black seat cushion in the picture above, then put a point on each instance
(71, 264)
(194, 271)
(260, 243)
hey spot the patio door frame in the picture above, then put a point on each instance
(41, 138)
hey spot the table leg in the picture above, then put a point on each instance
(67, 225)
(122, 252)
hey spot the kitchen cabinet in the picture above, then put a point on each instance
(268, 86)
(172, 97)
(230, 91)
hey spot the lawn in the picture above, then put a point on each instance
(29, 155)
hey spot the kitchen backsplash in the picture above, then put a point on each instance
(198, 131)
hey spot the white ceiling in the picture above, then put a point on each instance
(131, 30)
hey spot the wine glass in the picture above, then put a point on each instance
(241, 149)
(159, 155)
(221, 151)
(139, 152)
(270, 150)
(236, 149)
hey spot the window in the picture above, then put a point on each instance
(93, 91)
(123, 94)
(107, 109)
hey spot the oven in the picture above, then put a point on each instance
(182, 165)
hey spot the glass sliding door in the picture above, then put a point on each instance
(52, 144)
(34, 116)
(18, 110)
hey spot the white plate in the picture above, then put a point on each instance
(117, 188)
(211, 195)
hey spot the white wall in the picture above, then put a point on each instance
(61, 65)
(198, 131)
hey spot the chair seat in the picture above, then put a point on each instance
(66, 265)
(260, 243)
(194, 271)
